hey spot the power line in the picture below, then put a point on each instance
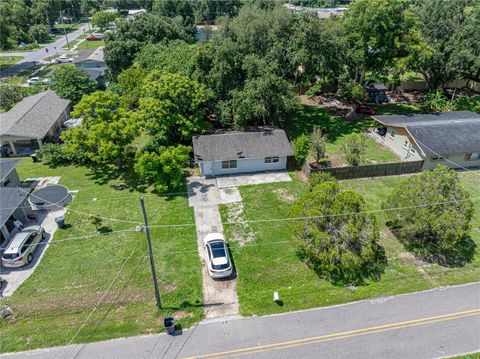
(446, 159)
(101, 299)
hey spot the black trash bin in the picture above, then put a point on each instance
(169, 324)
(34, 158)
(60, 221)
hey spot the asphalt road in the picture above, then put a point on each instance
(436, 323)
(37, 55)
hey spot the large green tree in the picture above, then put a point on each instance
(106, 132)
(164, 168)
(72, 82)
(430, 213)
(122, 46)
(379, 32)
(450, 31)
(336, 238)
(175, 105)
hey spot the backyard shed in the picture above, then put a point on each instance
(257, 150)
(376, 93)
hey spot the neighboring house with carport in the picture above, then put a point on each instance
(25, 127)
(449, 138)
(258, 150)
(13, 200)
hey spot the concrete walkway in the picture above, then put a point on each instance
(219, 296)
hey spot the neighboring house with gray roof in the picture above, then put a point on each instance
(12, 199)
(242, 152)
(449, 138)
(91, 59)
(32, 120)
(14, 207)
(8, 173)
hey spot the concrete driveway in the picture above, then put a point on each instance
(204, 195)
(14, 277)
(219, 296)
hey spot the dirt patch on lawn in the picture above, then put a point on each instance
(241, 232)
(284, 195)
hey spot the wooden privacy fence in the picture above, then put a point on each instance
(378, 170)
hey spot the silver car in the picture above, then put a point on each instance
(219, 263)
(20, 249)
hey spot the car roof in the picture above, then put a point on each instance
(214, 237)
(16, 242)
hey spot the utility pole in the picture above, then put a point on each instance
(64, 31)
(152, 263)
(85, 38)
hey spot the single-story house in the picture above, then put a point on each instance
(91, 59)
(12, 199)
(449, 138)
(8, 174)
(376, 93)
(242, 152)
(29, 122)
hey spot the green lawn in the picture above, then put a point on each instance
(338, 128)
(74, 274)
(7, 61)
(467, 356)
(270, 262)
(85, 45)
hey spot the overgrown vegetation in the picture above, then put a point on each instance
(337, 239)
(435, 221)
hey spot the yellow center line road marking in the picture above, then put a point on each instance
(341, 335)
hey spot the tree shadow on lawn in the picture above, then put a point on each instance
(340, 278)
(309, 117)
(459, 256)
(126, 179)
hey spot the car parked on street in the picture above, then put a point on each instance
(64, 59)
(94, 37)
(218, 259)
(36, 80)
(20, 249)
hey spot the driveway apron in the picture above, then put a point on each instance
(220, 296)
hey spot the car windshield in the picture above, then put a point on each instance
(218, 249)
(10, 255)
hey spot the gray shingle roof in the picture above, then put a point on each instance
(12, 198)
(91, 55)
(235, 145)
(441, 133)
(6, 166)
(33, 116)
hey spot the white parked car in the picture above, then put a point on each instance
(20, 249)
(218, 258)
(64, 59)
(36, 80)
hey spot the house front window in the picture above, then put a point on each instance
(474, 156)
(392, 134)
(405, 144)
(229, 164)
(271, 159)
